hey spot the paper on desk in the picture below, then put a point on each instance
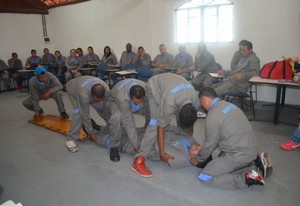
(216, 75)
(126, 72)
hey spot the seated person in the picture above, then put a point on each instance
(48, 59)
(162, 62)
(42, 86)
(238, 80)
(108, 57)
(4, 74)
(127, 56)
(142, 58)
(73, 63)
(237, 56)
(183, 62)
(92, 59)
(205, 63)
(81, 57)
(15, 64)
(33, 61)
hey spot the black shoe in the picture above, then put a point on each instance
(204, 163)
(114, 154)
(95, 125)
(64, 115)
(41, 112)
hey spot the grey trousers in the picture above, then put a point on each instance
(29, 101)
(227, 171)
(203, 80)
(69, 75)
(226, 86)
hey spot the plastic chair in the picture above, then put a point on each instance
(144, 72)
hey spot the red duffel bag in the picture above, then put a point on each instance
(277, 70)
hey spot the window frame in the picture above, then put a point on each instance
(201, 9)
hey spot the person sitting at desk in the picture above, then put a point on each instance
(42, 86)
(237, 56)
(33, 61)
(91, 58)
(142, 58)
(162, 61)
(108, 57)
(48, 59)
(81, 56)
(205, 63)
(73, 63)
(238, 80)
(127, 56)
(15, 64)
(4, 74)
(182, 63)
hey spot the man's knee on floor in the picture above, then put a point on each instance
(179, 161)
(205, 178)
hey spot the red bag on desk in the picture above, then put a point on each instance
(277, 70)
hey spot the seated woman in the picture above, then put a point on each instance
(73, 63)
(108, 57)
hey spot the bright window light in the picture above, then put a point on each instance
(204, 20)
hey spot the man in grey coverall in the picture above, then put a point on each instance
(168, 94)
(228, 129)
(129, 95)
(84, 91)
(238, 80)
(42, 86)
(177, 143)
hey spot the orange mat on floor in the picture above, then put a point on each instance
(56, 124)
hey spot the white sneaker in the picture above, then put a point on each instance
(71, 145)
(201, 114)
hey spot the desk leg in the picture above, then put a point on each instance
(283, 96)
(277, 105)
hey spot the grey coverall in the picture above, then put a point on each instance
(126, 107)
(79, 92)
(177, 144)
(247, 67)
(37, 90)
(205, 64)
(127, 58)
(167, 94)
(228, 129)
(183, 61)
(164, 58)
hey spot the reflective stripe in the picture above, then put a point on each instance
(214, 102)
(181, 87)
(87, 81)
(186, 145)
(76, 111)
(123, 84)
(205, 177)
(228, 108)
(153, 122)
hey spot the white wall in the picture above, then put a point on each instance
(273, 26)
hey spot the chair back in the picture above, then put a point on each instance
(144, 71)
(101, 68)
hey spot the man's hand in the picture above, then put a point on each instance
(74, 71)
(36, 115)
(221, 72)
(237, 77)
(46, 95)
(193, 161)
(179, 71)
(165, 157)
(137, 150)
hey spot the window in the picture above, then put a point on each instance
(204, 21)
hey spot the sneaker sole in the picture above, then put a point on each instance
(73, 149)
(134, 170)
(267, 162)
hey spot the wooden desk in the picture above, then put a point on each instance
(280, 93)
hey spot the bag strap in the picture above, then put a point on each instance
(273, 67)
(284, 72)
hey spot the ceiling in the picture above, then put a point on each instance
(33, 6)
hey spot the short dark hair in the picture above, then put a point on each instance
(98, 91)
(79, 49)
(140, 47)
(33, 50)
(248, 44)
(208, 92)
(137, 91)
(14, 53)
(46, 49)
(187, 115)
(242, 42)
